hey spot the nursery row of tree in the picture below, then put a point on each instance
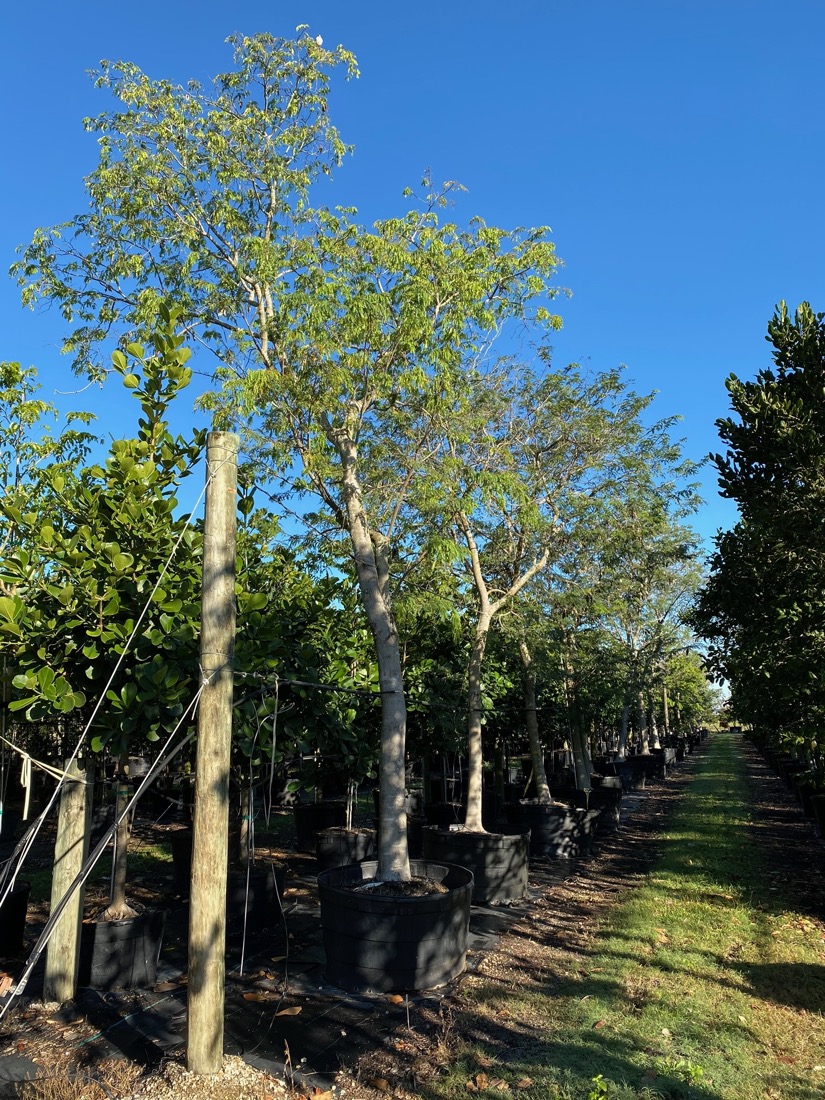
(761, 609)
(481, 544)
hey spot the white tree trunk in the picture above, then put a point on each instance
(371, 568)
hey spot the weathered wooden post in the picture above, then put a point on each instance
(70, 850)
(207, 899)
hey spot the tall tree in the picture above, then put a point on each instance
(336, 343)
(519, 481)
(762, 610)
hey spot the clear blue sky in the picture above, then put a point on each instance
(674, 146)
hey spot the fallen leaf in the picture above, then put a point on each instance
(599, 1023)
(471, 1086)
(482, 1081)
(289, 1011)
(279, 958)
(259, 998)
(597, 970)
(165, 987)
(666, 1033)
(395, 998)
(380, 1083)
(524, 1083)
(323, 1094)
(499, 1084)
(742, 1020)
(483, 1060)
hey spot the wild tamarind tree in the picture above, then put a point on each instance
(336, 344)
(520, 481)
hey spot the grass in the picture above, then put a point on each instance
(700, 985)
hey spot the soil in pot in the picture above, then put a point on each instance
(121, 954)
(394, 943)
(13, 919)
(339, 847)
(498, 861)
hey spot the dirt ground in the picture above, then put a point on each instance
(549, 939)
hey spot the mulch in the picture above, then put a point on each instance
(399, 1043)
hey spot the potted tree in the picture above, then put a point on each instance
(339, 347)
(97, 636)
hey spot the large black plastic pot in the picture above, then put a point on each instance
(258, 898)
(385, 943)
(121, 954)
(445, 814)
(606, 799)
(312, 816)
(13, 919)
(633, 772)
(255, 896)
(339, 847)
(558, 830)
(498, 860)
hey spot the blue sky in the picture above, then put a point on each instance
(675, 147)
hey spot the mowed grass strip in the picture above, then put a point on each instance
(701, 982)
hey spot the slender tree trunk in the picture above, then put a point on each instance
(372, 570)
(531, 721)
(578, 744)
(472, 819)
(644, 742)
(621, 748)
(654, 730)
(118, 908)
(665, 712)
(244, 852)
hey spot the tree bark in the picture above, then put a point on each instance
(472, 820)
(70, 851)
(118, 908)
(371, 566)
(531, 721)
(665, 712)
(621, 749)
(210, 841)
(644, 742)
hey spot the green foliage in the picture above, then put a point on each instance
(196, 198)
(87, 559)
(762, 608)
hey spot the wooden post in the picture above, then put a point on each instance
(70, 850)
(207, 899)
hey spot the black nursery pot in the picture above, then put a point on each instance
(444, 814)
(385, 943)
(607, 799)
(498, 861)
(312, 816)
(13, 919)
(339, 847)
(121, 954)
(557, 830)
(258, 898)
(255, 895)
